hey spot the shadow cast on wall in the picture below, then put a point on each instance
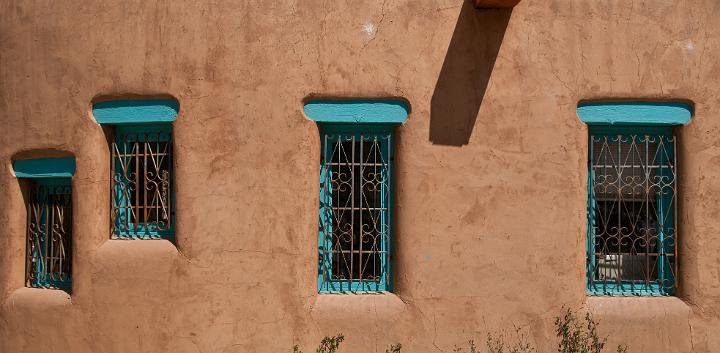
(465, 73)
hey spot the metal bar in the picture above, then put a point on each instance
(170, 184)
(48, 227)
(29, 246)
(136, 150)
(365, 163)
(591, 212)
(113, 188)
(375, 215)
(366, 208)
(647, 210)
(387, 227)
(352, 204)
(337, 255)
(619, 203)
(326, 227)
(361, 189)
(144, 184)
(50, 243)
(675, 216)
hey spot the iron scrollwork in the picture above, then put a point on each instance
(354, 212)
(633, 214)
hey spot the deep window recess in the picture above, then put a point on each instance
(355, 208)
(142, 182)
(632, 211)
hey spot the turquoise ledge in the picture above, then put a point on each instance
(635, 113)
(136, 111)
(357, 111)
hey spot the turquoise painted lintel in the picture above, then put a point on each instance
(388, 111)
(44, 168)
(136, 111)
(635, 113)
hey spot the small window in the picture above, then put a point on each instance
(49, 234)
(355, 208)
(632, 211)
(48, 196)
(142, 182)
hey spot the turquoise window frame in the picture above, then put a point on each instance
(664, 202)
(51, 186)
(152, 133)
(326, 284)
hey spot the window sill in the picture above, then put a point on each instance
(627, 319)
(357, 303)
(39, 297)
(135, 245)
(638, 306)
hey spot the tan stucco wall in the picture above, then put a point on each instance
(490, 168)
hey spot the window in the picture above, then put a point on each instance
(356, 191)
(355, 208)
(49, 234)
(141, 167)
(632, 211)
(48, 195)
(142, 182)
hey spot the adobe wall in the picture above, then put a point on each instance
(490, 168)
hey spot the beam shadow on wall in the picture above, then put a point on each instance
(465, 73)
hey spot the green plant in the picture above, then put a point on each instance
(327, 345)
(576, 336)
(394, 348)
(580, 337)
(496, 344)
(471, 345)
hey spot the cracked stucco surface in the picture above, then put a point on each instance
(489, 234)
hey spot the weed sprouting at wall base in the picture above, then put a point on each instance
(327, 345)
(575, 336)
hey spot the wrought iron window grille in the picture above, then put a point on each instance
(48, 261)
(142, 182)
(632, 211)
(355, 208)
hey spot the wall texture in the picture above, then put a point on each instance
(490, 168)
